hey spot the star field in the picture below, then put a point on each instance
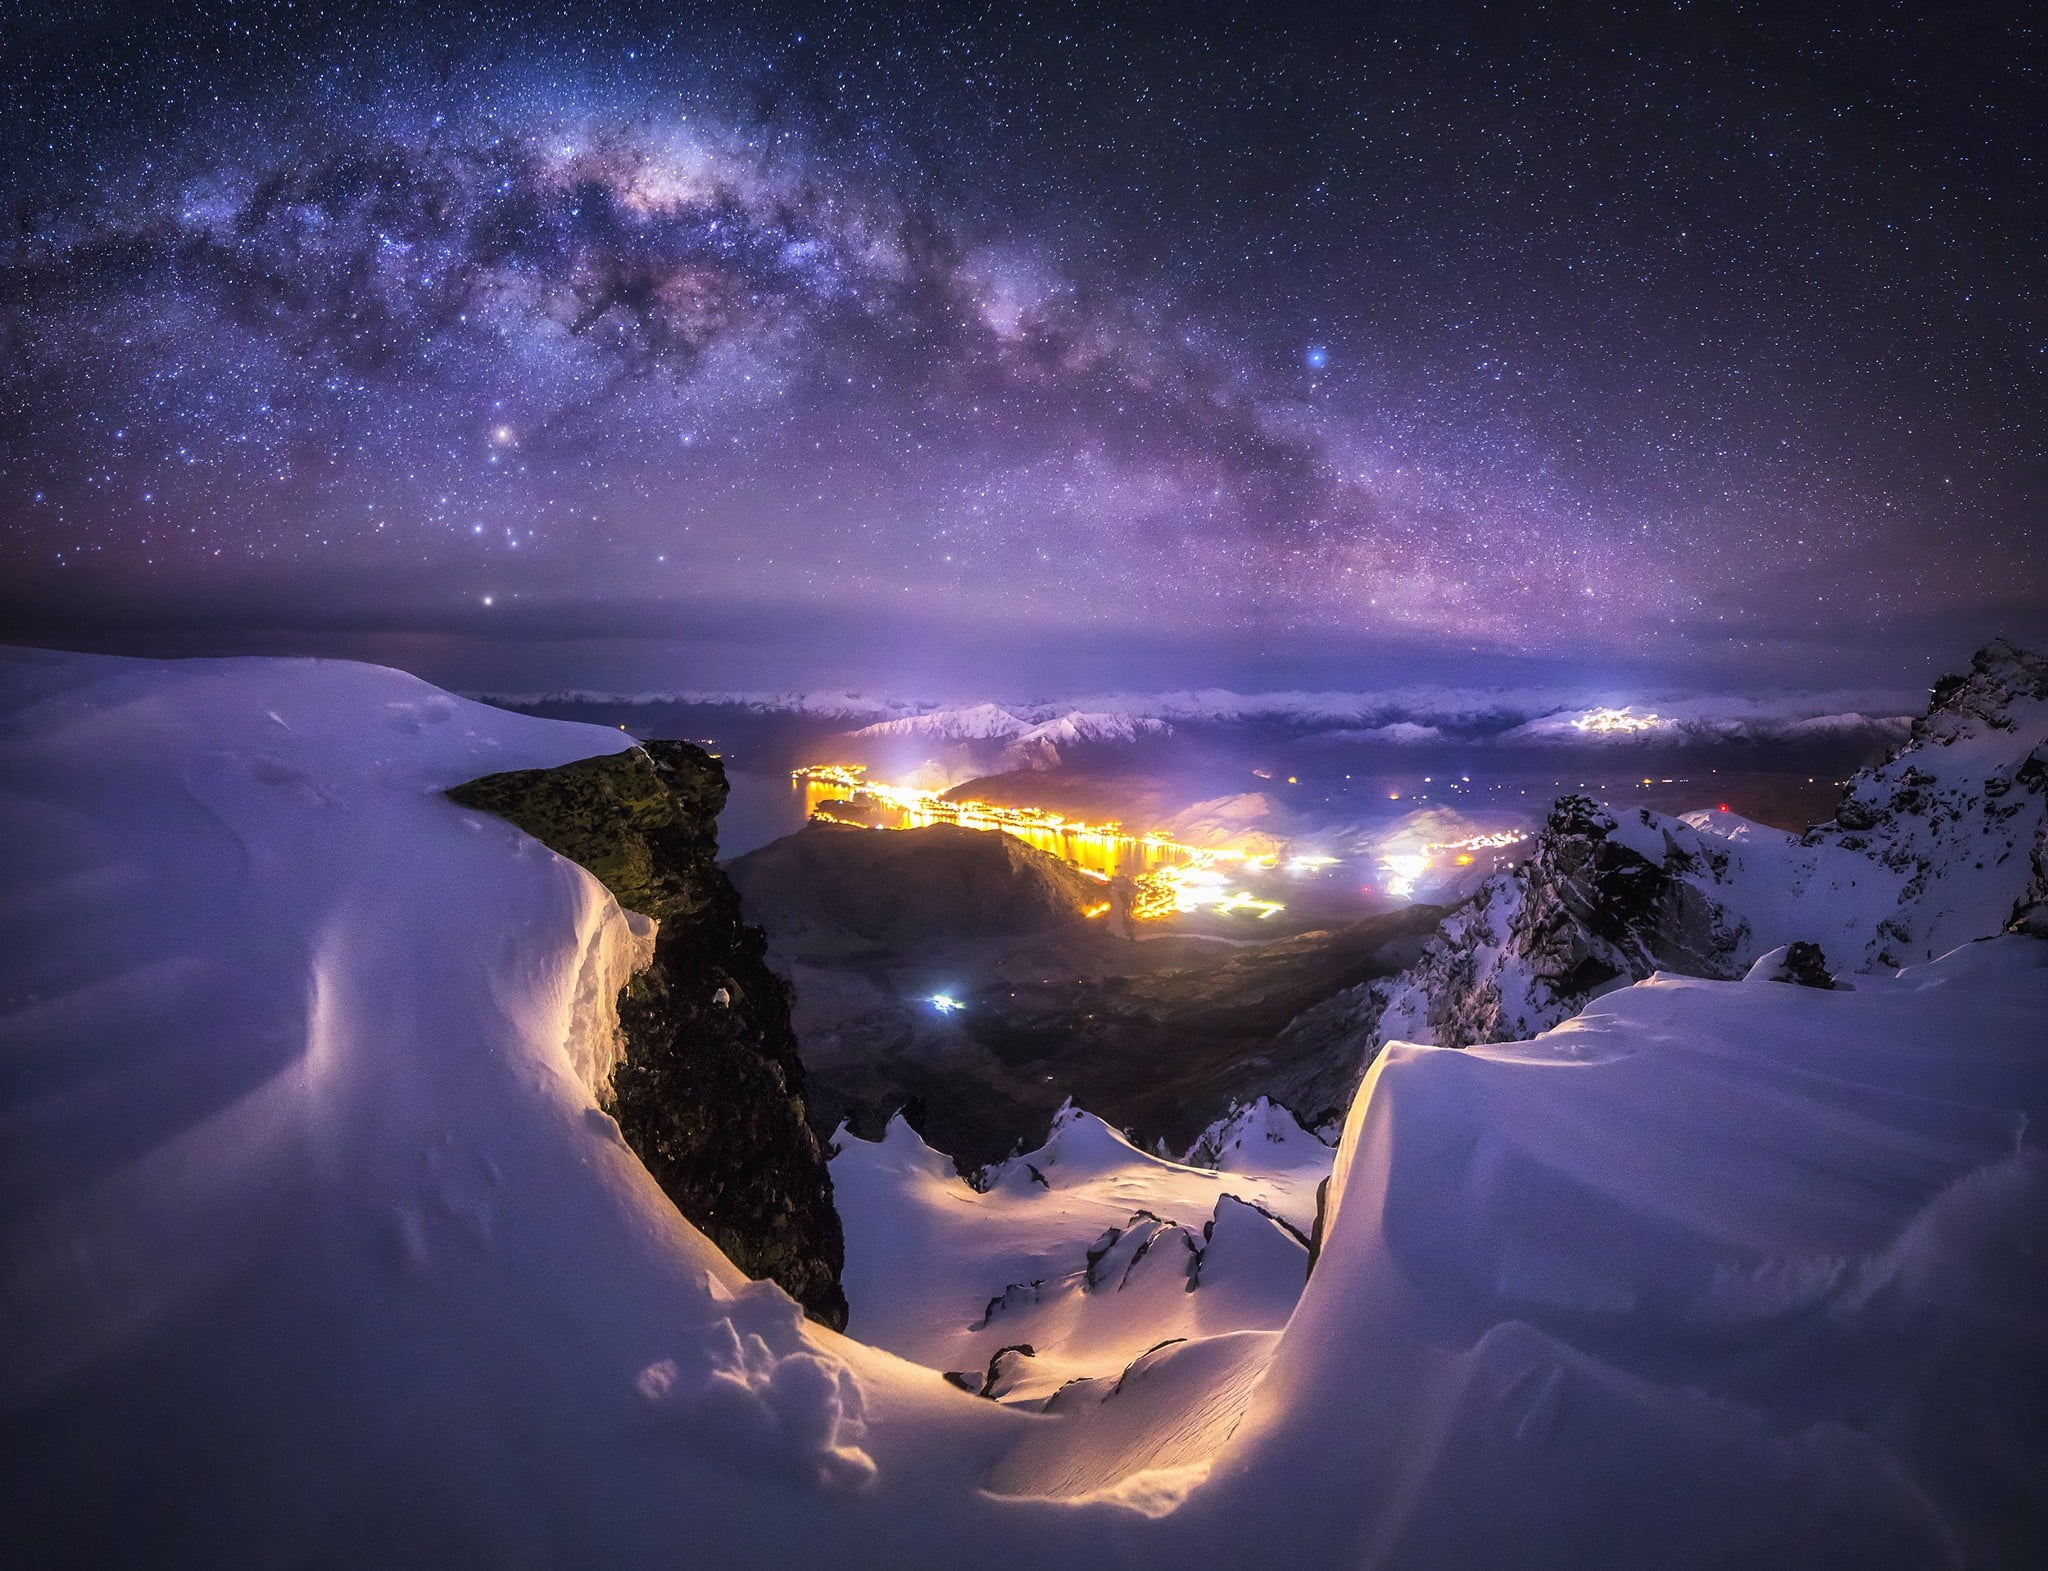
(1680, 336)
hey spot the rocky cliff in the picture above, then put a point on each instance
(710, 1094)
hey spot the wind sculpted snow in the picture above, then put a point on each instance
(1086, 1250)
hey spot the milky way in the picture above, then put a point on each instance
(1720, 343)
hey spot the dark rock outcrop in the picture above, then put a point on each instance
(710, 1094)
(1804, 965)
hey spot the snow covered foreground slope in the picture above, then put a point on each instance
(317, 1252)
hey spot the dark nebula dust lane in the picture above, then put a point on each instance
(873, 343)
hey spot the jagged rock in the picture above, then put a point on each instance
(1960, 809)
(1115, 1255)
(1315, 1236)
(1005, 1368)
(1601, 901)
(710, 1094)
(1804, 966)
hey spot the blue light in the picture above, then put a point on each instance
(945, 1003)
(1317, 357)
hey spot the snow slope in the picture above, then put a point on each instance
(1715, 1274)
(316, 1247)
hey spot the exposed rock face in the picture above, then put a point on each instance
(710, 1094)
(1804, 965)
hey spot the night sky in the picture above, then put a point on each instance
(1031, 348)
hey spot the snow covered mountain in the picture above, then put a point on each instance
(1960, 811)
(1043, 746)
(990, 739)
(1931, 849)
(1696, 725)
(975, 723)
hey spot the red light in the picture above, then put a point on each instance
(1726, 808)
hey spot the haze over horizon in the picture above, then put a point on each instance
(1082, 349)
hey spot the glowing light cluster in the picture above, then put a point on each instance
(1616, 721)
(1166, 891)
(1168, 875)
(1405, 869)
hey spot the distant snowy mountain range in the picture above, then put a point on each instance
(1396, 716)
(992, 722)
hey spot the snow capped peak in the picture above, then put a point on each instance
(1999, 691)
(1944, 843)
(1039, 746)
(1263, 1136)
(1078, 726)
(1960, 810)
(975, 723)
(1405, 733)
(1078, 1147)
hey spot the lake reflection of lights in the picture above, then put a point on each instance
(1167, 876)
(1167, 890)
(1405, 869)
